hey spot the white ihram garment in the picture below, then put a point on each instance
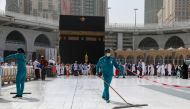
(152, 70)
(163, 70)
(58, 69)
(169, 69)
(143, 68)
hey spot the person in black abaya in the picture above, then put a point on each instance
(185, 71)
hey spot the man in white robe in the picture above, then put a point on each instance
(163, 69)
(62, 69)
(159, 68)
(58, 69)
(36, 66)
(143, 68)
(152, 70)
(169, 69)
(133, 68)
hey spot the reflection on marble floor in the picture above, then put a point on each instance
(84, 92)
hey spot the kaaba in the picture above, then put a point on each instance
(81, 37)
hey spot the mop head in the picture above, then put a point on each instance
(129, 106)
(23, 93)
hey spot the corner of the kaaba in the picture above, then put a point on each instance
(81, 37)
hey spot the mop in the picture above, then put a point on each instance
(128, 104)
(23, 93)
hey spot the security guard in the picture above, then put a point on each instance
(106, 64)
(21, 70)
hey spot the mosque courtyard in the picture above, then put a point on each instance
(84, 92)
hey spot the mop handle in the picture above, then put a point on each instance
(115, 91)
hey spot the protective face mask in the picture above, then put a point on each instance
(108, 54)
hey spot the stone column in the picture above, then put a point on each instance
(154, 60)
(2, 42)
(29, 55)
(120, 41)
(163, 59)
(135, 59)
(173, 61)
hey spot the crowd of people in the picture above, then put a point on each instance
(140, 69)
(158, 69)
(75, 69)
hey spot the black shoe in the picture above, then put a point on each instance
(103, 98)
(123, 76)
(107, 101)
(17, 96)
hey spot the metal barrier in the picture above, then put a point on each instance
(9, 74)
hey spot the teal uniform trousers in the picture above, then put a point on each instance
(21, 70)
(106, 64)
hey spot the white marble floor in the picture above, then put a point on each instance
(85, 93)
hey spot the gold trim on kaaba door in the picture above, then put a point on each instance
(81, 33)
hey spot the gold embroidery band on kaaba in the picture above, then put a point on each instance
(82, 33)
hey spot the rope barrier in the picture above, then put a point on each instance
(154, 81)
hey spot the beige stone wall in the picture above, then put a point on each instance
(175, 11)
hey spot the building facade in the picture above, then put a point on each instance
(84, 7)
(49, 9)
(66, 7)
(153, 45)
(152, 7)
(176, 11)
(35, 43)
(19, 6)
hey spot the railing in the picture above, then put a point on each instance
(148, 27)
(29, 18)
(113, 26)
(32, 18)
(9, 74)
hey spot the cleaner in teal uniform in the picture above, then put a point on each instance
(1, 71)
(21, 70)
(106, 64)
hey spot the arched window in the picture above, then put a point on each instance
(148, 43)
(15, 37)
(174, 42)
(42, 41)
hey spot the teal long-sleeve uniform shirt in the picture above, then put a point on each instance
(106, 64)
(21, 70)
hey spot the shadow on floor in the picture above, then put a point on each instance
(47, 80)
(30, 99)
(4, 101)
(117, 103)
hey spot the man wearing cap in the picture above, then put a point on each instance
(106, 64)
(21, 70)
